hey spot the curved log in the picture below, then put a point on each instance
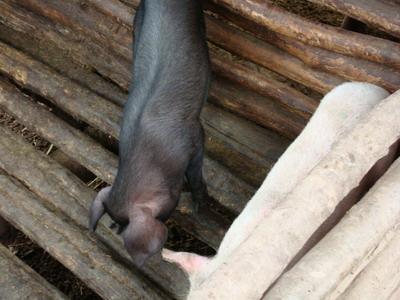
(382, 14)
(319, 35)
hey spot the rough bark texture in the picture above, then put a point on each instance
(347, 67)
(292, 99)
(347, 248)
(18, 281)
(268, 56)
(86, 20)
(382, 14)
(84, 50)
(282, 235)
(319, 35)
(74, 248)
(248, 150)
(251, 106)
(59, 90)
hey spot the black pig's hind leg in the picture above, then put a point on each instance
(194, 174)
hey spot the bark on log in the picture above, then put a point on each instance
(116, 9)
(18, 281)
(75, 249)
(294, 100)
(326, 269)
(78, 147)
(382, 14)
(347, 67)
(61, 91)
(319, 35)
(62, 61)
(83, 18)
(91, 155)
(268, 56)
(84, 51)
(277, 240)
(63, 191)
(381, 276)
(350, 68)
(247, 149)
(254, 107)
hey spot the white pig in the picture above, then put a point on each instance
(337, 113)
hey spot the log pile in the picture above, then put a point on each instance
(270, 68)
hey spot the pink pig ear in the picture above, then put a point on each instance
(191, 263)
(97, 208)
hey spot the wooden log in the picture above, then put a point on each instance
(116, 9)
(18, 281)
(91, 155)
(83, 50)
(350, 68)
(382, 14)
(319, 35)
(326, 269)
(380, 278)
(74, 248)
(102, 162)
(254, 107)
(83, 104)
(62, 61)
(292, 99)
(268, 56)
(245, 148)
(61, 91)
(62, 190)
(83, 18)
(278, 238)
(347, 67)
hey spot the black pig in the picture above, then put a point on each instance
(161, 137)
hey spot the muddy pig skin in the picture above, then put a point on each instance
(161, 138)
(336, 115)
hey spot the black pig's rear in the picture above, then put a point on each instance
(161, 137)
